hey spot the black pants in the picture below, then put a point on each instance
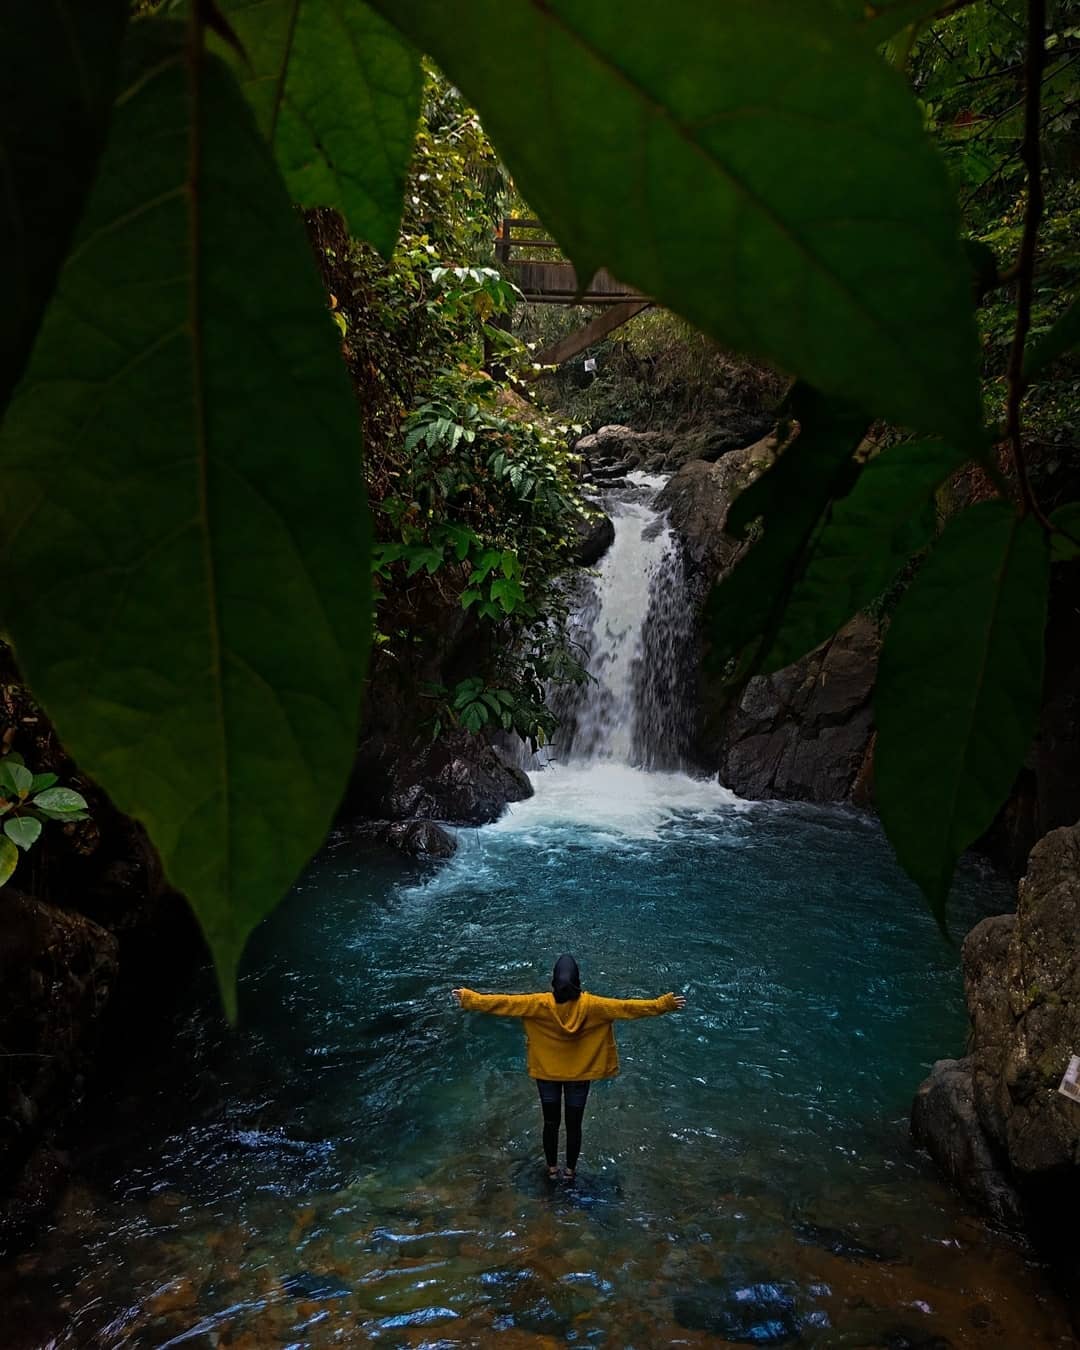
(551, 1098)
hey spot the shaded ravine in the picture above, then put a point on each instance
(359, 1162)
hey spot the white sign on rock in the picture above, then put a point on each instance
(1070, 1084)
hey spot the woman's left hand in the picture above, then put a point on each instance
(457, 993)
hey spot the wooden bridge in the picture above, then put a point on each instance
(555, 282)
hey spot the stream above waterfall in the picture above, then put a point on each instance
(359, 1161)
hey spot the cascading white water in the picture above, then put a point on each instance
(635, 629)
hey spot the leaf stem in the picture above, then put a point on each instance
(1025, 268)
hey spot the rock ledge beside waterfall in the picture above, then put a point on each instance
(805, 732)
(995, 1121)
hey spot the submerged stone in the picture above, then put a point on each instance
(306, 1285)
(847, 1243)
(752, 1314)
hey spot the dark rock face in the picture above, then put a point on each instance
(1026, 1017)
(944, 1121)
(594, 538)
(697, 499)
(460, 779)
(89, 967)
(57, 973)
(803, 733)
(625, 447)
(1022, 982)
(709, 443)
(621, 448)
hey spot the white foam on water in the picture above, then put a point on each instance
(608, 799)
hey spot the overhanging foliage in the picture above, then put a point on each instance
(185, 544)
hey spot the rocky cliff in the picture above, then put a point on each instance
(83, 926)
(401, 772)
(995, 1121)
(802, 733)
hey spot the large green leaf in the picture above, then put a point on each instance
(958, 689)
(336, 91)
(183, 529)
(753, 165)
(57, 71)
(788, 501)
(868, 536)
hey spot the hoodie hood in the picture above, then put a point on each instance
(566, 980)
(572, 1014)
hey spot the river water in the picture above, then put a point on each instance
(360, 1162)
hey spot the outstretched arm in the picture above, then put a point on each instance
(502, 1005)
(615, 1009)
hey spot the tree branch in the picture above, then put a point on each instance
(1025, 270)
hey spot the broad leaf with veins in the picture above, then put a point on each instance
(751, 164)
(336, 92)
(183, 531)
(958, 689)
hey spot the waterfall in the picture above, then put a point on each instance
(635, 627)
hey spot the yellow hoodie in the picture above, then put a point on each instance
(573, 1041)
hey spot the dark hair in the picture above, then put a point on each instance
(566, 980)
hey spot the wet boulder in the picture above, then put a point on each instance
(459, 778)
(595, 535)
(419, 838)
(623, 446)
(697, 499)
(944, 1121)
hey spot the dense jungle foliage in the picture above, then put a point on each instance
(186, 546)
(473, 490)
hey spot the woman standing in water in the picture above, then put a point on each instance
(570, 1043)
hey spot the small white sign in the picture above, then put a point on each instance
(590, 363)
(1070, 1084)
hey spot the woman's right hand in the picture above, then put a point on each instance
(680, 1002)
(457, 993)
